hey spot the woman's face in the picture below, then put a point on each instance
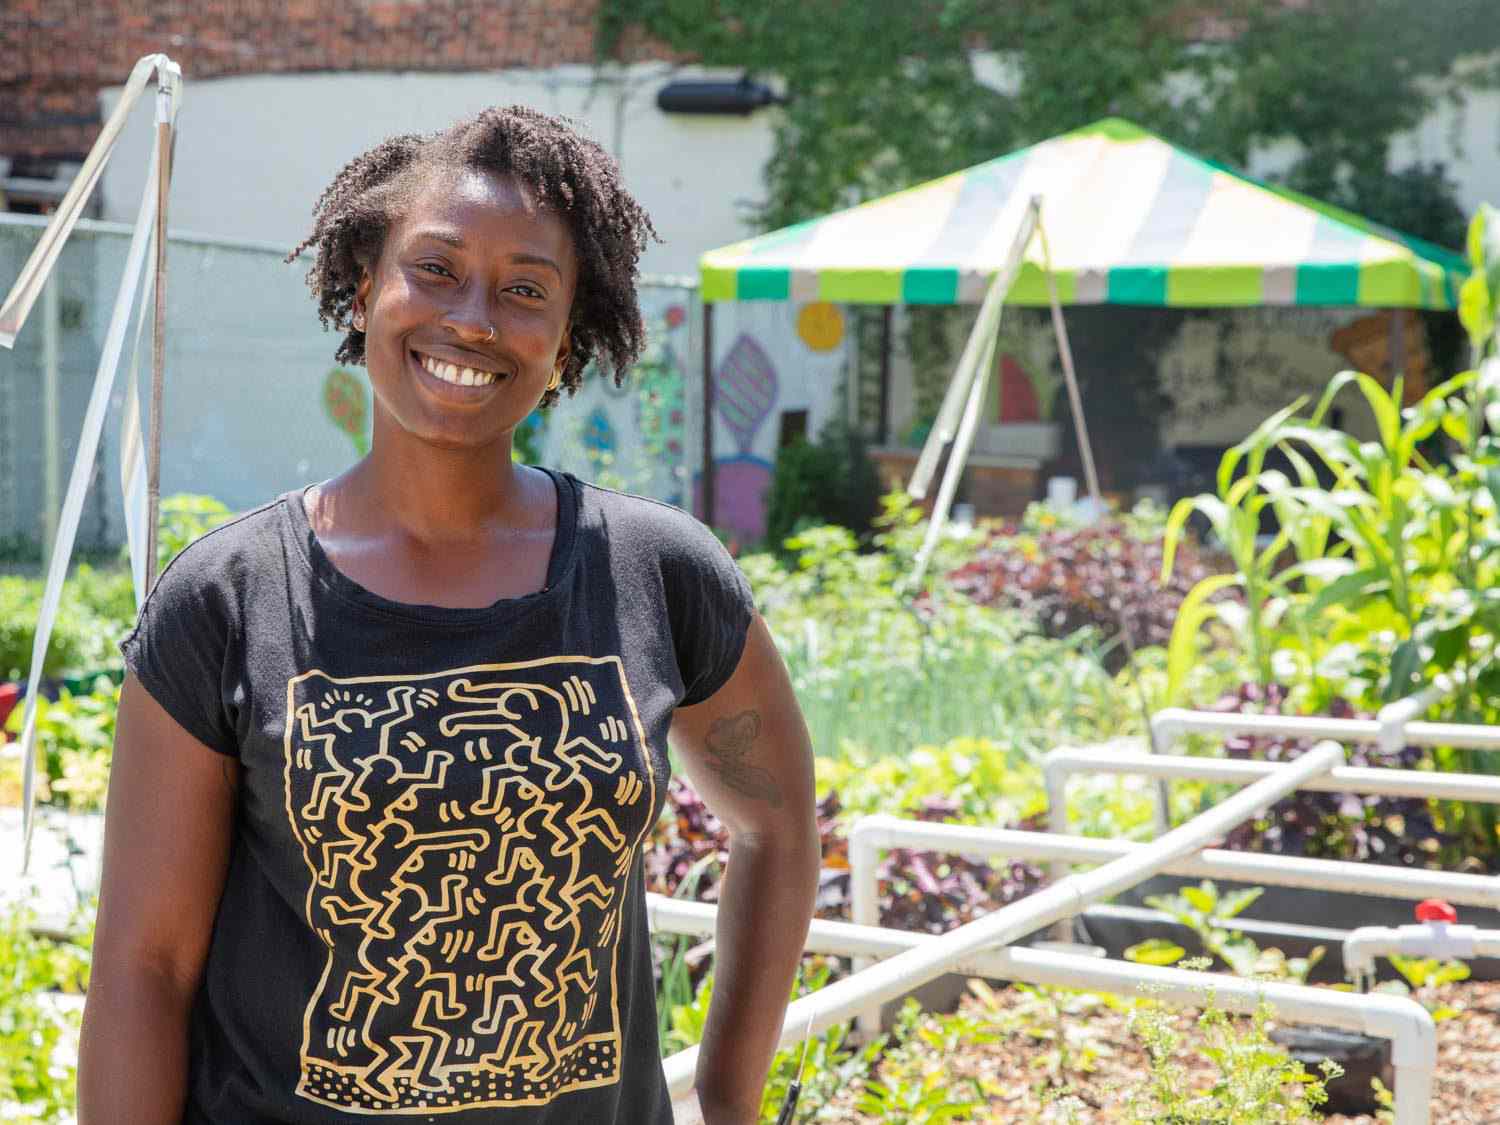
(472, 252)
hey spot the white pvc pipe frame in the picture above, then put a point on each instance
(1404, 1022)
(1387, 730)
(921, 963)
(873, 834)
(1395, 727)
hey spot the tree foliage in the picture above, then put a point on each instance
(882, 94)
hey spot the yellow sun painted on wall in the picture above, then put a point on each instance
(821, 326)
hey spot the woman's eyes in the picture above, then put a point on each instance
(525, 290)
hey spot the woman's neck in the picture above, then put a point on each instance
(437, 495)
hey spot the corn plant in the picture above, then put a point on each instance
(1234, 513)
(1390, 576)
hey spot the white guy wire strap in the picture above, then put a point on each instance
(985, 335)
(945, 427)
(1403, 1021)
(959, 455)
(34, 274)
(915, 967)
(17, 305)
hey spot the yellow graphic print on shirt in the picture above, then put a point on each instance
(469, 835)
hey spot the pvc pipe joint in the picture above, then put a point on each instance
(1167, 727)
(1442, 940)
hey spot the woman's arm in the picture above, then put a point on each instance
(747, 751)
(170, 815)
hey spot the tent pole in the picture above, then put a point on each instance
(1070, 376)
(51, 438)
(707, 476)
(887, 314)
(1063, 931)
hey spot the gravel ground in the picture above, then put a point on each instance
(1018, 1070)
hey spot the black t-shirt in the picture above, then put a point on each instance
(434, 907)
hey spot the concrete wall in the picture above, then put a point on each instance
(255, 153)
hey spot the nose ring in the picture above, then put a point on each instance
(490, 338)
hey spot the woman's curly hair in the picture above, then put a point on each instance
(564, 171)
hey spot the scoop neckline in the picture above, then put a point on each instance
(559, 564)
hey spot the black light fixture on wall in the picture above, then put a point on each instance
(715, 96)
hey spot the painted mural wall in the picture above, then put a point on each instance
(1219, 374)
(630, 437)
(1016, 423)
(1226, 372)
(777, 367)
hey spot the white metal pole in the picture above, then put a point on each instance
(864, 907)
(155, 416)
(945, 426)
(44, 254)
(51, 439)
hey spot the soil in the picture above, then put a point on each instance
(1015, 1070)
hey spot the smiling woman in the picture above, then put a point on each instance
(390, 744)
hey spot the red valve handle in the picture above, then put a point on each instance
(1435, 910)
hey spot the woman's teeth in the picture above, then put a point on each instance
(452, 373)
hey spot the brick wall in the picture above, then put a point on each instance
(55, 55)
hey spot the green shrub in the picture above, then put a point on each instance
(37, 1083)
(831, 1064)
(75, 736)
(832, 481)
(184, 517)
(1204, 911)
(95, 612)
(1255, 1082)
(97, 607)
(875, 666)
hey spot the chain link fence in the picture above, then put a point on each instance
(254, 403)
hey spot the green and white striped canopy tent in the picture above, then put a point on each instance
(1131, 219)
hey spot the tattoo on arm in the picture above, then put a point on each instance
(729, 743)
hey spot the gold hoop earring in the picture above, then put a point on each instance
(556, 380)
